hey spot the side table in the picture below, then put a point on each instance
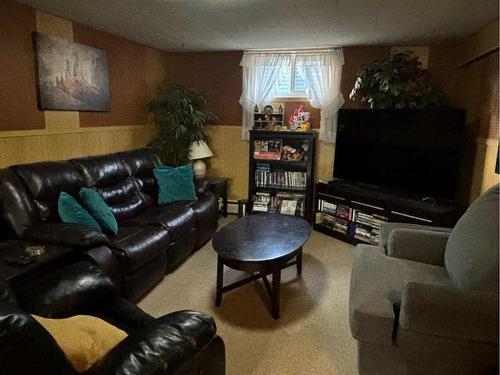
(218, 186)
(53, 256)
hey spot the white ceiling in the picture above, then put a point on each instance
(215, 25)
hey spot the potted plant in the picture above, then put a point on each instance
(180, 114)
(397, 82)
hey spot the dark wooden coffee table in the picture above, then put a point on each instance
(261, 244)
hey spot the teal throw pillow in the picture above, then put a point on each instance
(70, 211)
(93, 202)
(175, 184)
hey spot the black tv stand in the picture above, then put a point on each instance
(354, 212)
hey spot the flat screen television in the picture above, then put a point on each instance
(417, 151)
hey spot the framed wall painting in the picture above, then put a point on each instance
(71, 76)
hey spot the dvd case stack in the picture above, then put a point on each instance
(261, 202)
(352, 222)
(264, 177)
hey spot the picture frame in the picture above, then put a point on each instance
(70, 76)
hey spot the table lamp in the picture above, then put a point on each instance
(198, 151)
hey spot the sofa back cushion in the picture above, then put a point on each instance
(45, 181)
(471, 255)
(17, 209)
(140, 164)
(110, 177)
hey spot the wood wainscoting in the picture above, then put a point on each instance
(28, 146)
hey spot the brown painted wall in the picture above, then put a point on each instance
(130, 89)
(354, 59)
(18, 104)
(217, 74)
(127, 78)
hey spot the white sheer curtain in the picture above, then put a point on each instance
(321, 70)
(322, 73)
(260, 82)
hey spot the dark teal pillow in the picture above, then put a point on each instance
(175, 184)
(93, 202)
(70, 211)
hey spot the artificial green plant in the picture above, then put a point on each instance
(180, 114)
(397, 82)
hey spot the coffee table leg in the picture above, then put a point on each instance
(299, 262)
(276, 293)
(220, 279)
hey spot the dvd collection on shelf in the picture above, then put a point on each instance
(264, 177)
(283, 203)
(349, 221)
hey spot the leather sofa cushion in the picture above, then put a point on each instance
(84, 339)
(109, 175)
(105, 170)
(139, 245)
(377, 283)
(17, 210)
(45, 181)
(471, 255)
(140, 165)
(176, 217)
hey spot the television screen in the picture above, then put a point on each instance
(417, 151)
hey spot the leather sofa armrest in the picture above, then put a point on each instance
(104, 257)
(387, 228)
(425, 246)
(63, 234)
(168, 344)
(27, 347)
(123, 314)
(448, 312)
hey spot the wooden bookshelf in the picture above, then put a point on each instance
(290, 179)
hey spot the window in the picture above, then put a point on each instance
(290, 82)
(310, 74)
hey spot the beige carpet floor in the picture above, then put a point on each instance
(312, 336)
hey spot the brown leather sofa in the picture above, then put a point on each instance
(152, 239)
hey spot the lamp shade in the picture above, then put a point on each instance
(199, 150)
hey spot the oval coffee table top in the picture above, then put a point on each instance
(261, 237)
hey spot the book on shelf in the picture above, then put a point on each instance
(343, 212)
(352, 222)
(289, 203)
(288, 207)
(330, 208)
(283, 203)
(372, 220)
(264, 177)
(340, 225)
(261, 202)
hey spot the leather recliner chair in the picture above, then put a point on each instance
(183, 342)
(152, 238)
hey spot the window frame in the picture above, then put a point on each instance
(292, 93)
